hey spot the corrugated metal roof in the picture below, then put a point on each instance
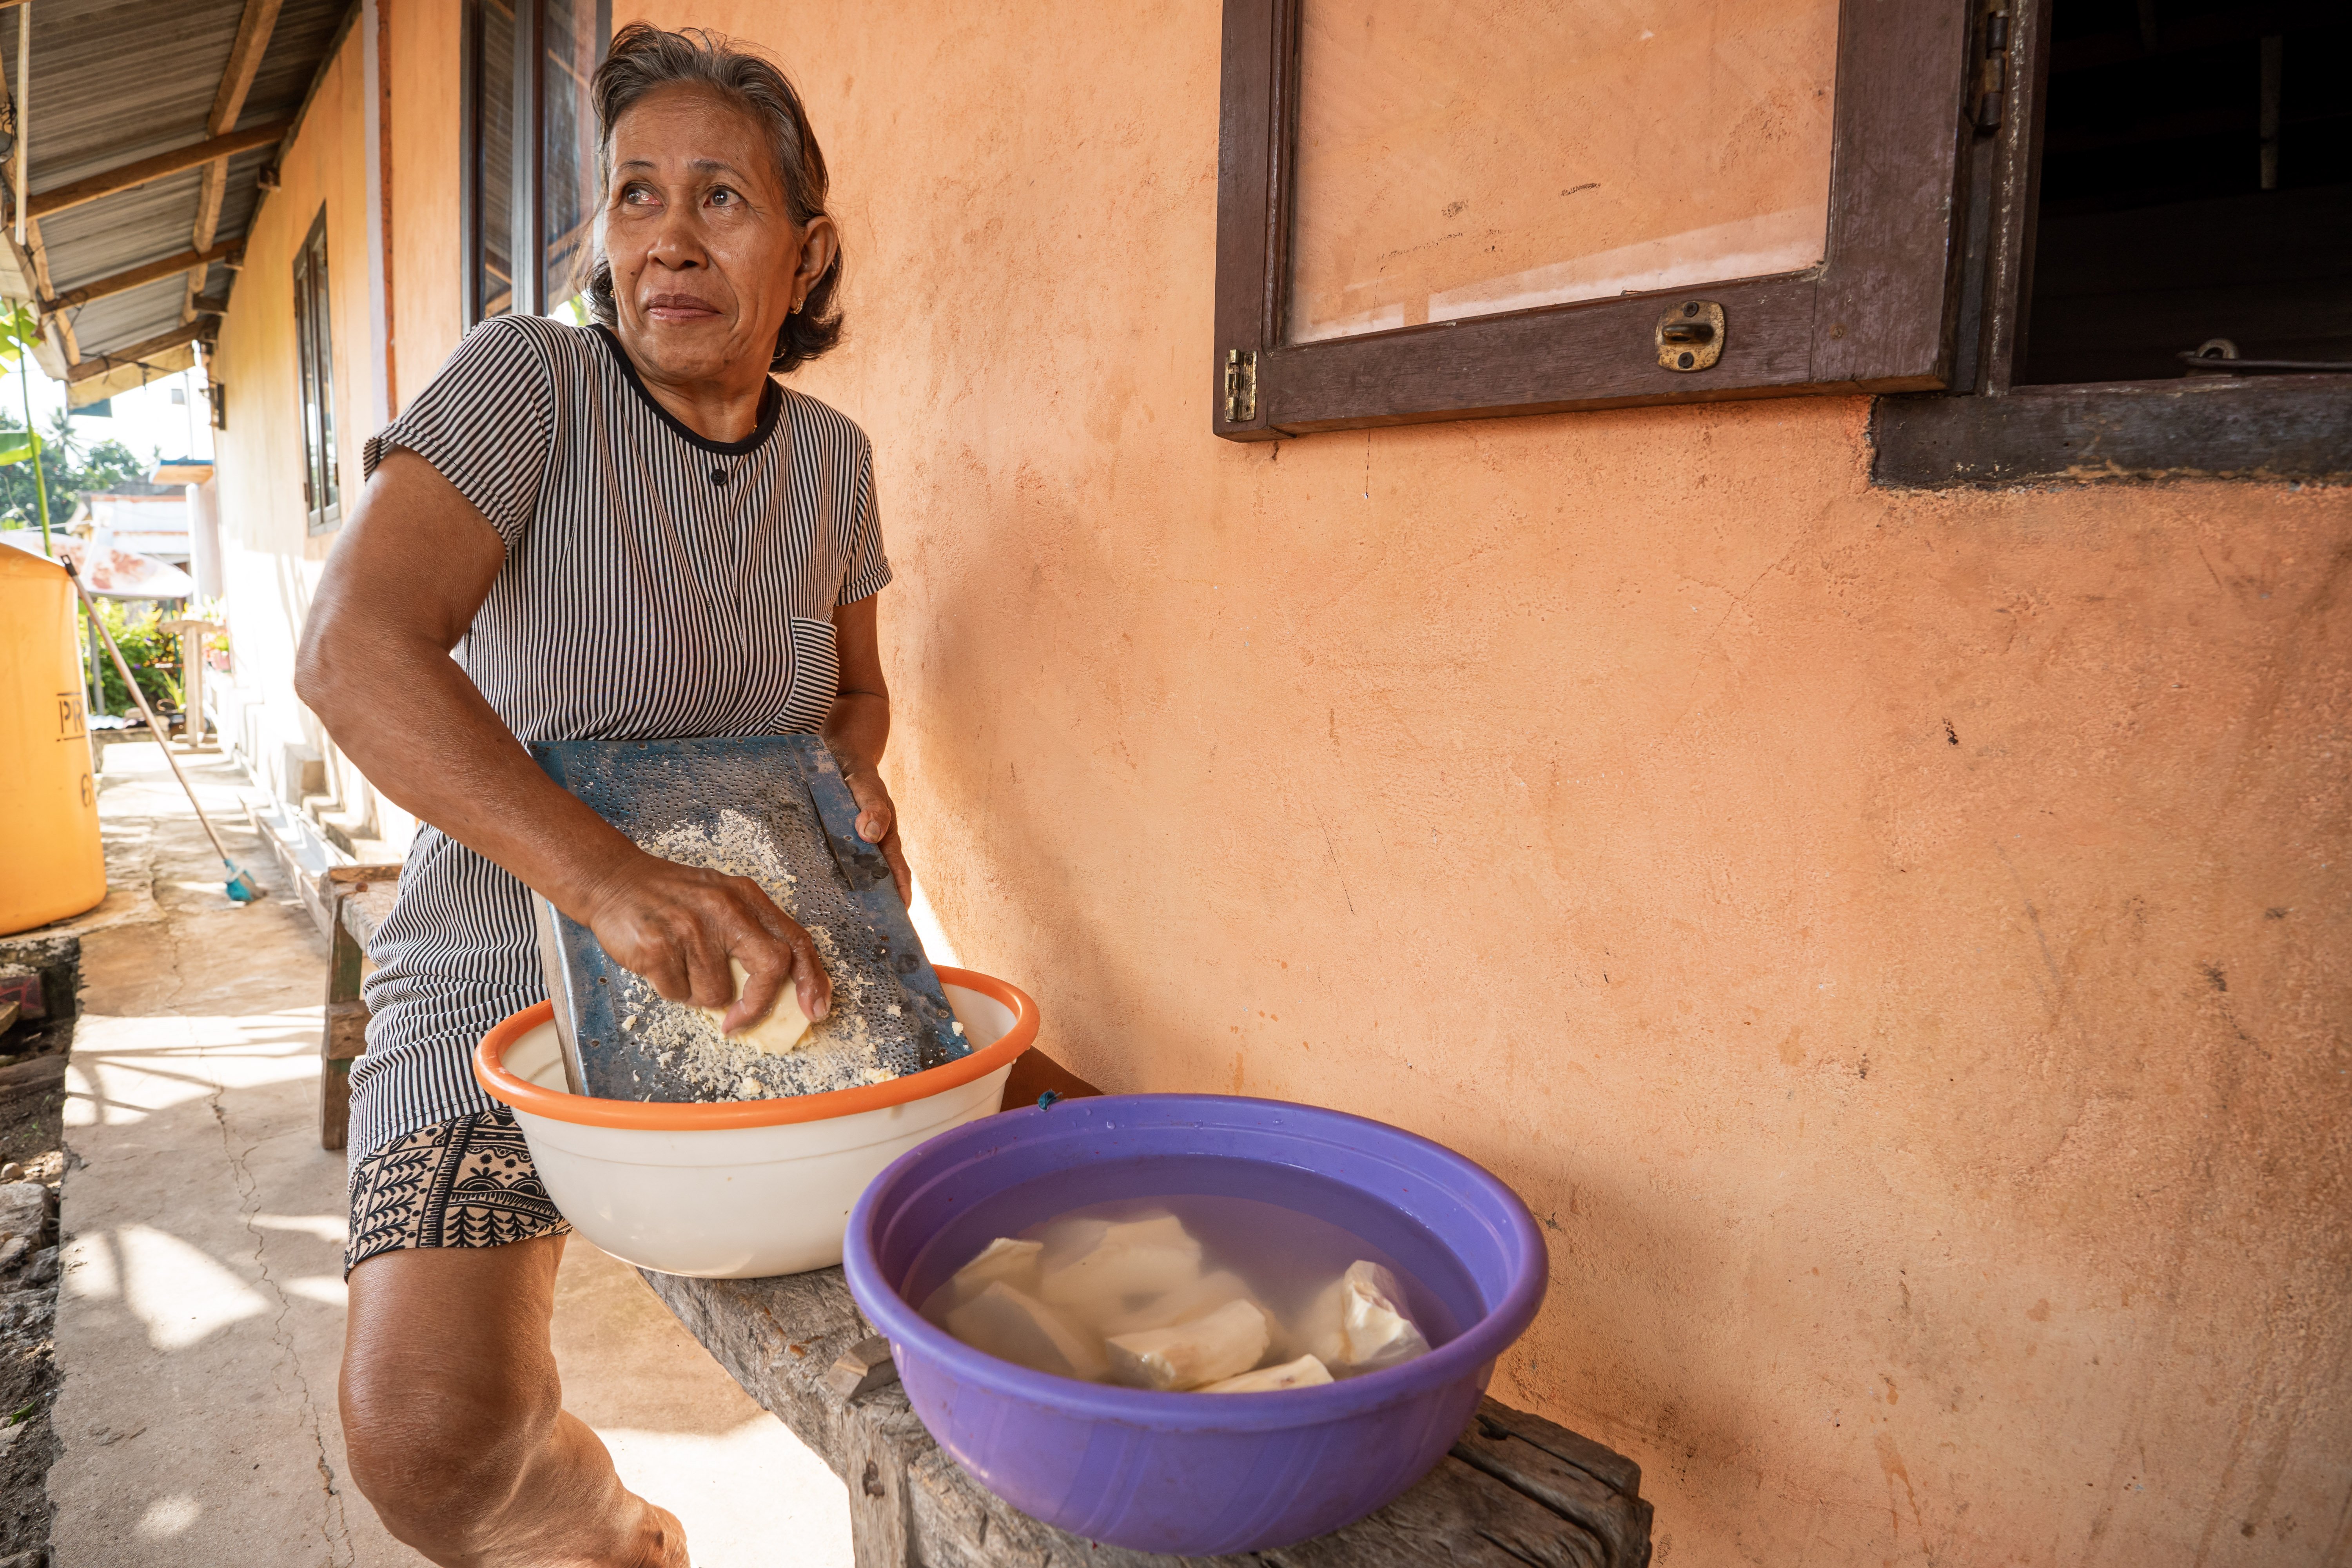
(116, 80)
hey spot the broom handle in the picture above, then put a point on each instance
(145, 711)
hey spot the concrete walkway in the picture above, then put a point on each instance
(201, 1318)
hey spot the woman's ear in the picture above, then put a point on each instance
(819, 246)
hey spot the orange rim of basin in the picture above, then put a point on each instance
(673, 1116)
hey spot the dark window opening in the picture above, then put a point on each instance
(2196, 191)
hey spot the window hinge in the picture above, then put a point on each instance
(1992, 65)
(1241, 386)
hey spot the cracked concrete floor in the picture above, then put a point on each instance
(201, 1317)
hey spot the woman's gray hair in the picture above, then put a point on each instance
(644, 58)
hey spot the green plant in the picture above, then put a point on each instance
(153, 654)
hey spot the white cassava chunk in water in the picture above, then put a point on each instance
(785, 1028)
(1102, 1269)
(1231, 1340)
(1196, 1298)
(1004, 1260)
(1014, 1326)
(1303, 1372)
(1358, 1324)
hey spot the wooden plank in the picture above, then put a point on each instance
(1605, 1464)
(782, 1339)
(55, 348)
(253, 30)
(346, 1032)
(1574, 1475)
(1257, 50)
(36, 1074)
(1601, 354)
(9, 1011)
(2017, 198)
(1456, 1515)
(1889, 278)
(123, 176)
(2264, 427)
(99, 365)
(147, 272)
(881, 1516)
(861, 1368)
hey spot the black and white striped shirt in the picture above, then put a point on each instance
(657, 586)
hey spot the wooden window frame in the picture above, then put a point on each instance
(314, 380)
(1878, 314)
(533, 293)
(1986, 431)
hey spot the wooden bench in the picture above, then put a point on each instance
(1515, 1490)
(358, 898)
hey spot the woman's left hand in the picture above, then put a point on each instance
(878, 824)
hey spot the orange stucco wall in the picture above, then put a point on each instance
(269, 561)
(422, 64)
(273, 563)
(1895, 943)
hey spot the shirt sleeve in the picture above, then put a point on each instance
(870, 568)
(485, 423)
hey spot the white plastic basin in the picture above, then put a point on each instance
(743, 1188)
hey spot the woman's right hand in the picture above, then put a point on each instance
(678, 925)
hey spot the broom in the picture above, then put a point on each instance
(240, 886)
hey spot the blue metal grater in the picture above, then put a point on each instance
(793, 789)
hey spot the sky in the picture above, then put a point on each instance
(146, 420)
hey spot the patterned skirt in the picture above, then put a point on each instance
(468, 1182)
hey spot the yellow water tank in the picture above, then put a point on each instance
(51, 864)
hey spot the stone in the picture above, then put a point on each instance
(24, 1209)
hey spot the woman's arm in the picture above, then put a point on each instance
(859, 728)
(412, 567)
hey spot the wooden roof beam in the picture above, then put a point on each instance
(132, 278)
(124, 176)
(99, 363)
(253, 30)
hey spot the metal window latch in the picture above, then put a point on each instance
(1241, 386)
(1690, 336)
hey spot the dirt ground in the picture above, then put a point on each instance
(31, 1124)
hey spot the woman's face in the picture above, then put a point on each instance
(706, 260)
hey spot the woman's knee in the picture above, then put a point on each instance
(448, 1386)
(429, 1445)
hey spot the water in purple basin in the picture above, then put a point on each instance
(1288, 1234)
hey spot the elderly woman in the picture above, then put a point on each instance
(624, 531)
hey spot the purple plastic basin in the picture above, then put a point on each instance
(1197, 1474)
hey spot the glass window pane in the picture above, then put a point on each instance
(1467, 158)
(322, 342)
(303, 383)
(568, 155)
(493, 155)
